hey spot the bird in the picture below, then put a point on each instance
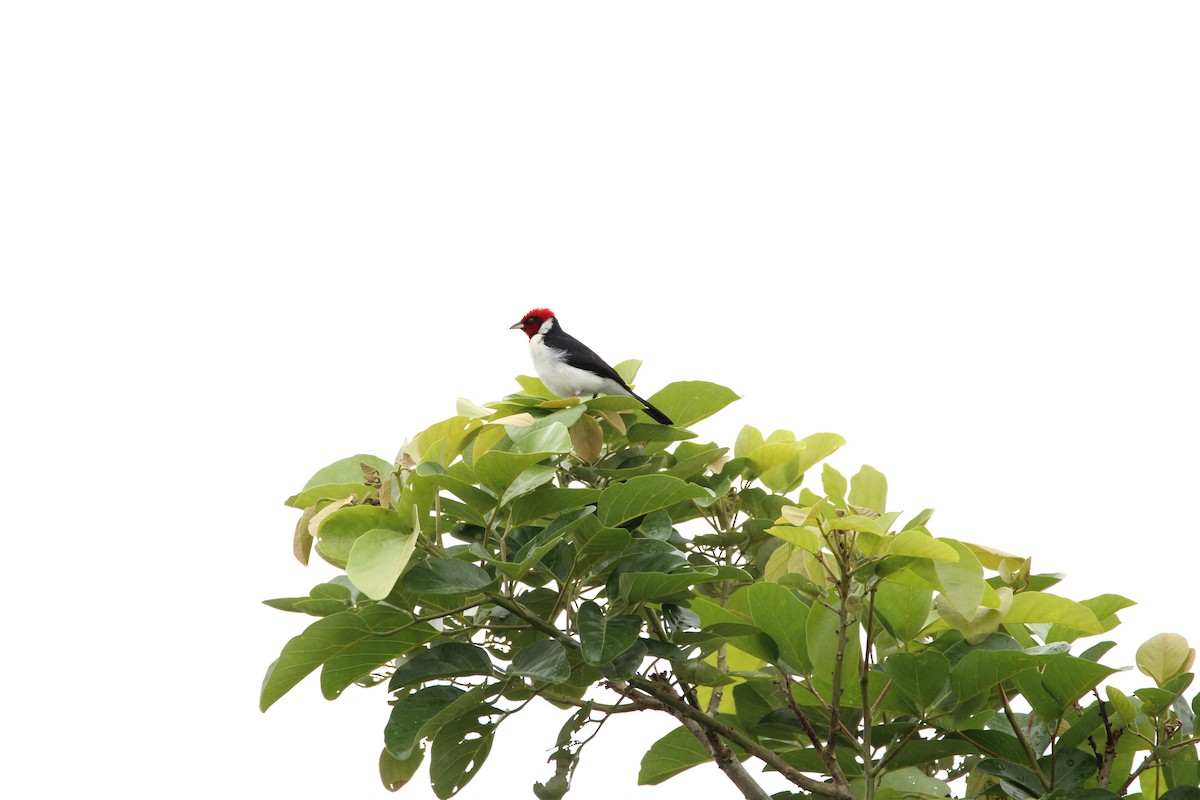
(568, 367)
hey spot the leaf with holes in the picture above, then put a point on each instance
(457, 752)
(412, 713)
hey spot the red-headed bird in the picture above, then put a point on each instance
(568, 367)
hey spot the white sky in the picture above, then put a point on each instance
(244, 239)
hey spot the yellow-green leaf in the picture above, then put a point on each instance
(917, 544)
(1164, 656)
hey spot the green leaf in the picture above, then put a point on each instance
(1043, 607)
(653, 432)
(641, 495)
(961, 581)
(457, 752)
(395, 773)
(496, 469)
(748, 440)
(780, 614)
(904, 608)
(1125, 708)
(360, 657)
(1181, 793)
(868, 489)
(603, 639)
(444, 660)
(628, 369)
(1019, 782)
(536, 548)
(821, 636)
(337, 532)
(833, 482)
(347, 470)
(1104, 606)
(327, 491)
(410, 715)
(911, 782)
(857, 522)
(639, 587)
(549, 502)
(547, 435)
(614, 402)
(319, 642)
(446, 576)
(688, 402)
(1063, 680)
(530, 479)
(711, 613)
(916, 543)
(533, 386)
(805, 538)
(922, 678)
(543, 661)
(1164, 656)
(693, 459)
(625, 664)
(376, 560)
(773, 454)
(441, 442)
(672, 754)
(919, 520)
(595, 545)
(478, 499)
(817, 448)
(699, 672)
(981, 670)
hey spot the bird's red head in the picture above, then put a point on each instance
(531, 322)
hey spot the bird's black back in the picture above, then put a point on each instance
(579, 355)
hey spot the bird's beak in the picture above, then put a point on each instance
(515, 327)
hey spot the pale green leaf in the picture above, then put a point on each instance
(688, 402)
(337, 532)
(748, 440)
(1164, 656)
(1043, 607)
(530, 479)
(918, 544)
(377, 559)
(347, 470)
(834, 483)
(806, 538)
(868, 489)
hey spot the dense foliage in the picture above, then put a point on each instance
(571, 552)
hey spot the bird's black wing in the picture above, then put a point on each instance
(581, 356)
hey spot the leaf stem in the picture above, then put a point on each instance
(1023, 739)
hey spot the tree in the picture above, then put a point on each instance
(570, 552)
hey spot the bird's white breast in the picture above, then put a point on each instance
(559, 376)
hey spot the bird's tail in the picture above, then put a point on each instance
(653, 412)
